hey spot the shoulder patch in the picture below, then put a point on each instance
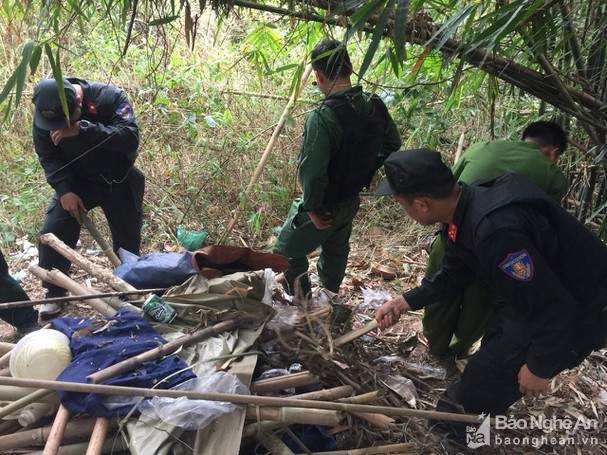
(125, 111)
(518, 265)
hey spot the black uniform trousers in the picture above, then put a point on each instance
(122, 205)
(489, 383)
(10, 291)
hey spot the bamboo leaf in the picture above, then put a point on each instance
(58, 75)
(378, 34)
(21, 71)
(343, 7)
(450, 27)
(35, 60)
(10, 83)
(163, 20)
(360, 18)
(399, 33)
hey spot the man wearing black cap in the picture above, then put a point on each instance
(549, 271)
(89, 162)
(346, 139)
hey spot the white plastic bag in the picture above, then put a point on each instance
(195, 414)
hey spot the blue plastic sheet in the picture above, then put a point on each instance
(125, 335)
(157, 270)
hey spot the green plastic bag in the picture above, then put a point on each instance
(192, 240)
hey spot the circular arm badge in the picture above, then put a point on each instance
(125, 111)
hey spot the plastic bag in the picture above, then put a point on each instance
(374, 299)
(195, 414)
(192, 240)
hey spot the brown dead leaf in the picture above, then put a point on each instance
(384, 271)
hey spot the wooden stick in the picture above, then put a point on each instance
(266, 154)
(161, 351)
(60, 279)
(234, 398)
(284, 382)
(355, 333)
(71, 298)
(109, 252)
(100, 273)
(98, 436)
(23, 402)
(57, 430)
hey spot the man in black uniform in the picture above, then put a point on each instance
(24, 319)
(90, 163)
(549, 271)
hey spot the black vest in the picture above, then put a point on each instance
(352, 167)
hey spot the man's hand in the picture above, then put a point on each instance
(321, 222)
(389, 312)
(72, 203)
(530, 384)
(72, 130)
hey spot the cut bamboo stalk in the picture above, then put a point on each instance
(295, 415)
(287, 381)
(23, 402)
(6, 347)
(100, 273)
(11, 393)
(355, 333)
(378, 420)
(266, 154)
(327, 394)
(363, 398)
(162, 351)
(460, 147)
(100, 430)
(111, 446)
(274, 445)
(57, 430)
(403, 449)
(60, 279)
(76, 430)
(235, 398)
(107, 250)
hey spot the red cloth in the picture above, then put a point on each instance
(216, 260)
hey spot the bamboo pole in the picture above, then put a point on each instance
(266, 154)
(355, 333)
(70, 298)
(234, 398)
(274, 445)
(111, 446)
(100, 273)
(460, 147)
(75, 430)
(23, 402)
(327, 394)
(60, 279)
(161, 351)
(6, 347)
(100, 430)
(290, 415)
(57, 430)
(107, 250)
(300, 379)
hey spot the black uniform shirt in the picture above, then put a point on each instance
(550, 270)
(101, 154)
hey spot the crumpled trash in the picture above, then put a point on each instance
(190, 414)
(374, 299)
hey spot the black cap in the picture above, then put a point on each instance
(413, 171)
(49, 114)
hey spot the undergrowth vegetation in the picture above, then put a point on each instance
(206, 115)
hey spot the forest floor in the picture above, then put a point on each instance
(577, 395)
